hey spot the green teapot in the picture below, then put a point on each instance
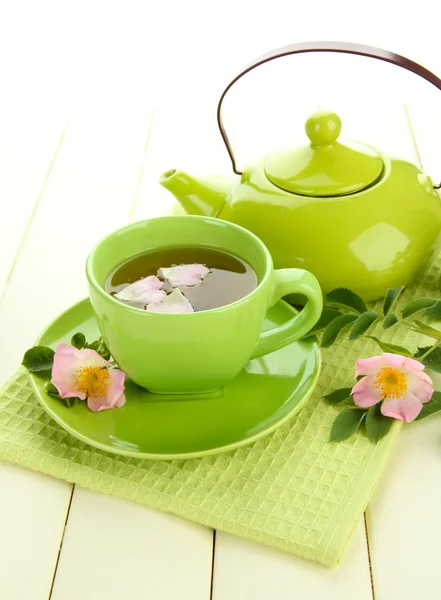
(345, 211)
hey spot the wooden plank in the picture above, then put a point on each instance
(88, 193)
(33, 507)
(28, 146)
(91, 191)
(403, 521)
(33, 510)
(245, 570)
(114, 549)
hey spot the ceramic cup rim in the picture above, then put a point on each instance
(269, 267)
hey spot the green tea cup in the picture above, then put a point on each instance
(200, 351)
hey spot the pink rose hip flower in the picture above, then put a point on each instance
(396, 380)
(85, 374)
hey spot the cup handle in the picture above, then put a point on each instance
(291, 281)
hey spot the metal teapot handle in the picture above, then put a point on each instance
(341, 47)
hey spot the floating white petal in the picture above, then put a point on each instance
(144, 291)
(175, 302)
(184, 274)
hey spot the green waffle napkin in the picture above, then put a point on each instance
(292, 489)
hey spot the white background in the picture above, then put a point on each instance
(83, 53)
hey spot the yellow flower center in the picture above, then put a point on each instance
(391, 383)
(92, 381)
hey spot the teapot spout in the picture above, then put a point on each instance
(197, 196)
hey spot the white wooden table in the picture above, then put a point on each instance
(65, 182)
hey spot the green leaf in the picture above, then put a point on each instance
(431, 361)
(346, 298)
(434, 311)
(431, 407)
(100, 347)
(52, 390)
(78, 340)
(338, 396)
(439, 283)
(38, 358)
(346, 424)
(416, 305)
(362, 324)
(94, 345)
(390, 320)
(333, 329)
(426, 329)
(103, 350)
(390, 297)
(377, 425)
(328, 315)
(391, 347)
(69, 402)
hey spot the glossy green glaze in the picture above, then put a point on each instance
(324, 167)
(368, 241)
(201, 351)
(262, 397)
(198, 197)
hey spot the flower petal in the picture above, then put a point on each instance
(96, 403)
(146, 283)
(425, 377)
(413, 365)
(184, 274)
(66, 349)
(175, 302)
(120, 402)
(64, 371)
(90, 358)
(396, 361)
(403, 409)
(420, 385)
(367, 366)
(364, 395)
(115, 397)
(143, 291)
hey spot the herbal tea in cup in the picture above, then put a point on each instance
(181, 279)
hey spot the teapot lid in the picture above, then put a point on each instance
(325, 167)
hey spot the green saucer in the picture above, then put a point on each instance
(268, 392)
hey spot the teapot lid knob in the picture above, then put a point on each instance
(323, 128)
